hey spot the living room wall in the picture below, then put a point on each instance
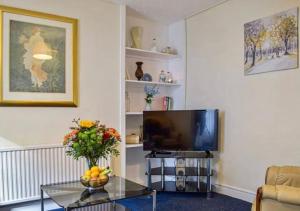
(259, 113)
(99, 76)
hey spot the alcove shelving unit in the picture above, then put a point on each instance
(172, 35)
(134, 113)
(149, 54)
(150, 83)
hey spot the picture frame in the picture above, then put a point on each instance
(38, 60)
(271, 43)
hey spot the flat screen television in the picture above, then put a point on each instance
(184, 130)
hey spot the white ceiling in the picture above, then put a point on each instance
(168, 11)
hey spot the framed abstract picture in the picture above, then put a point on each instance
(271, 43)
(38, 60)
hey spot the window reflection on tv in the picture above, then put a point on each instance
(189, 130)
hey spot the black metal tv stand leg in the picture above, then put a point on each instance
(162, 174)
(149, 180)
(208, 179)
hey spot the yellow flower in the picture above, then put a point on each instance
(86, 123)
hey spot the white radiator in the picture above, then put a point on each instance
(22, 171)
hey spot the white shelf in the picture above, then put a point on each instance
(133, 145)
(149, 54)
(150, 83)
(134, 113)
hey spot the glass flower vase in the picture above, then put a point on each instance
(148, 107)
(92, 162)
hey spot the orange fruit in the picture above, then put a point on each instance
(95, 174)
(95, 168)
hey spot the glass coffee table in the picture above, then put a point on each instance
(73, 195)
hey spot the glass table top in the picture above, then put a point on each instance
(75, 195)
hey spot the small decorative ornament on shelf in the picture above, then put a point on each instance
(154, 45)
(136, 36)
(132, 139)
(147, 77)
(150, 92)
(162, 77)
(169, 78)
(139, 71)
(169, 50)
(92, 141)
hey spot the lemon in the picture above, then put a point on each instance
(88, 173)
(86, 178)
(95, 174)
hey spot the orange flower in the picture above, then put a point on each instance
(74, 132)
(113, 132)
(67, 137)
(70, 135)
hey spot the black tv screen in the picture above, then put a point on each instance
(186, 130)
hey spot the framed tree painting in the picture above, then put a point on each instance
(38, 60)
(271, 43)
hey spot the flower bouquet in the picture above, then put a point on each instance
(150, 92)
(92, 141)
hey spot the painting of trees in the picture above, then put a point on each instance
(286, 29)
(271, 43)
(255, 34)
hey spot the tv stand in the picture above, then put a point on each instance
(201, 171)
(154, 153)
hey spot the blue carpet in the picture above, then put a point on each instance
(187, 201)
(167, 201)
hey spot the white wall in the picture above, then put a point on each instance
(177, 39)
(99, 76)
(260, 113)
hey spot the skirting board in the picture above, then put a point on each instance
(235, 192)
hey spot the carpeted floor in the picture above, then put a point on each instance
(168, 201)
(187, 202)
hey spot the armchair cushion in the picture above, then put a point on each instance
(286, 175)
(288, 194)
(282, 193)
(269, 192)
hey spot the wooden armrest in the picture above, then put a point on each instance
(259, 194)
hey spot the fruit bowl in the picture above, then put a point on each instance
(95, 178)
(95, 183)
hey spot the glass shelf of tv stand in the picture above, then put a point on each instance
(202, 172)
(134, 145)
(170, 186)
(134, 113)
(200, 155)
(171, 171)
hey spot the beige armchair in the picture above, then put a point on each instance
(281, 191)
